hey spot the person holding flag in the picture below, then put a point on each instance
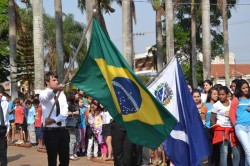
(111, 81)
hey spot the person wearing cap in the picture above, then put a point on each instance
(4, 128)
(55, 135)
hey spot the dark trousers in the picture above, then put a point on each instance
(57, 142)
(3, 148)
(122, 147)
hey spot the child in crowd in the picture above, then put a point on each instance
(207, 84)
(25, 126)
(19, 117)
(92, 140)
(223, 131)
(240, 116)
(38, 123)
(98, 132)
(11, 119)
(197, 99)
(31, 122)
(82, 126)
(206, 110)
(106, 132)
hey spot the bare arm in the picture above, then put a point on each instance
(212, 119)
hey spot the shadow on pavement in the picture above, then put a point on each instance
(16, 157)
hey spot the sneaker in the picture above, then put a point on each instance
(76, 156)
(17, 142)
(21, 142)
(88, 157)
(72, 157)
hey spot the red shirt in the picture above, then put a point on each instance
(19, 115)
(38, 118)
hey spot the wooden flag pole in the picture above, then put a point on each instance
(72, 61)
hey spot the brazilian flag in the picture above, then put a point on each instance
(106, 76)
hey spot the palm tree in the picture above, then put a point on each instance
(71, 29)
(194, 54)
(127, 29)
(59, 40)
(169, 29)
(100, 6)
(12, 47)
(158, 26)
(89, 13)
(38, 37)
(223, 6)
(206, 45)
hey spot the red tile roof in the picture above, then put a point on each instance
(218, 70)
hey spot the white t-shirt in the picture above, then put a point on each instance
(203, 98)
(222, 114)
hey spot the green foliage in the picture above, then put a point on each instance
(144, 78)
(4, 31)
(25, 52)
(186, 68)
(72, 35)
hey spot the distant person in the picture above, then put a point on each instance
(207, 84)
(4, 128)
(19, 119)
(56, 136)
(31, 122)
(38, 123)
(240, 116)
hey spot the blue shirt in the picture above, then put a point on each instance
(10, 108)
(242, 114)
(82, 116)
(208, 114)
(31, 115)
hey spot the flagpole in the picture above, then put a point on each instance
(150, 81)
(73, 60)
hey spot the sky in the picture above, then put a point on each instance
(239, 23)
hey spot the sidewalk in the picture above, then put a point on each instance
(22, 156)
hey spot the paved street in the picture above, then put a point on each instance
(22, 156)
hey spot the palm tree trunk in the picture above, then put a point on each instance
(225, 36)
(194, 54)
(89, 13)
(169, 29)
(206, 45)
(38, 37)
(12, 47)
(59, 40)
(159, 40)
(127, 32)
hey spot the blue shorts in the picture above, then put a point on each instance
(39, 133)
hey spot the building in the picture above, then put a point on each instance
(144, 65)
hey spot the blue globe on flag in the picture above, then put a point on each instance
(161, 93)
(128, 95)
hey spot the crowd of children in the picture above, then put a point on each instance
(91, 137)
(225, 113)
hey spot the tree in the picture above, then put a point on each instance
(59, 40)
(25, 60)
(194, 53)
(100, 6)
(72, 35)
(25, 53)
(12, 47)
(4, 51)
(206, 45)
(157, 6)
(224, 7)
(127, 28)
(38, 36)
(169, 29)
